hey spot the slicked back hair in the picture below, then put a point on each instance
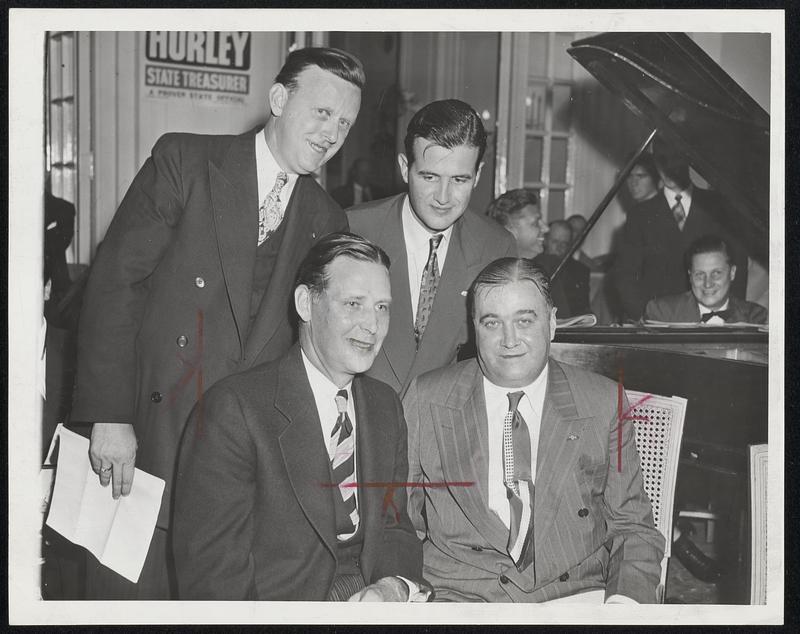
(708, 243)
(506, 206)
(333, 60)
(506, 271)
(313, 271)
(448, 123)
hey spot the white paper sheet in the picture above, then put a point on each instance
(117, 532)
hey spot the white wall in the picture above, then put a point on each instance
(126, 123)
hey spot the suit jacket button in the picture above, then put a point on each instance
(477, 548)
(504, 579)
(156, 397)
(182, 341)
(199, 282)
(564, 577)
(583, 512)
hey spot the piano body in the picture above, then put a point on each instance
(688, 99)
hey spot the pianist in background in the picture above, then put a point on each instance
(711, 273)
(649, 261)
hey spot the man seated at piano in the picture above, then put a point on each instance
(658, 231)
(711, 272)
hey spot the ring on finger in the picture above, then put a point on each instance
(105, 469)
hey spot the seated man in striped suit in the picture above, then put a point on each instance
(275, 496)
(484, 433)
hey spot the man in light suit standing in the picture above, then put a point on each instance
(193, 280)
(539, 503)
(436, 245)
(272, 497)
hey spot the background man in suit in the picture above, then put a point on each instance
(268, 505)
(711, 274)
(518, 211)
(649, 261)
(357, 188)
(186, 288)
(512, 420)
(570, 291)
(437, 247)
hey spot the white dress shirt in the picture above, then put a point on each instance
(686, 198)
(530, 406)
(267, 170)
(417, 241)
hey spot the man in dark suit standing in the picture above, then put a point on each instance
(272, 498)
(649, 262)
(436, 246)
(711, 275)
(193, 279)
(514, 420)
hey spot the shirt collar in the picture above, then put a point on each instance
(320, 384)
(535, 391)
(267, 169)
(686, 195)
(704, 310)
(415, 233)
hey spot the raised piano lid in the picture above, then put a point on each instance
(672, 83)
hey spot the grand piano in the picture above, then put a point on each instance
(685, 97)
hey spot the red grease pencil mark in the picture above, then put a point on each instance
(626, 415)
(194, 368)
(388, 498)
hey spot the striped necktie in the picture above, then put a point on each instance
(427, 289)
(270, 213)
(519, 483)
(343, 461)
(678, 212)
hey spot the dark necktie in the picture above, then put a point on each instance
(519, 483)
(678, 212)
(270, 213)
(722, 314)
(343, 461)
(427, 289)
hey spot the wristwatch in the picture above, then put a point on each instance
(417, 593)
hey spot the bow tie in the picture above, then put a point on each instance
(722, 314)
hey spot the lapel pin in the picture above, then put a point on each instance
(572, 437)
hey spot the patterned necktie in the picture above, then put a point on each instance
(519, 483)
(343, 461)
(724, 315)
(678, 212)
(270, 213)
(427, 289)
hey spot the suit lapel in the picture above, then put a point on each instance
(557, 454)
(234, 201)
(303, 448)
(398, 347)
(373, 465)
(461, 426)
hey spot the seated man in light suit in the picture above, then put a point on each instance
(539, 503)
(268, 498)
(711, 272)
(436, 244)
